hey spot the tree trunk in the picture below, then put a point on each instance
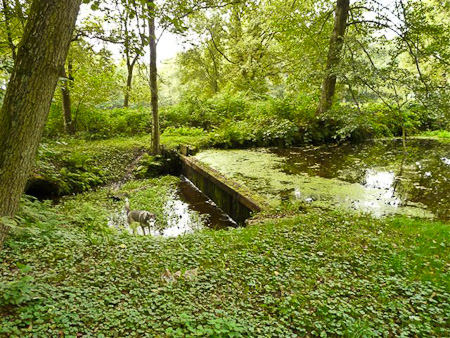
(126, 101)
(334, 56)
(154, 80)
(40, 56)
(130, 69)
(66, 103)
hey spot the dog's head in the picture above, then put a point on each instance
(148, 217)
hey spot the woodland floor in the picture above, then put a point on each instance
(314, 274)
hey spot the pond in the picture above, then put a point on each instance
(187, 210)
(381, 176)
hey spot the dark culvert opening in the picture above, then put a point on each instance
(41, 188)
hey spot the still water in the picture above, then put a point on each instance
(187, 210)
(381, 177)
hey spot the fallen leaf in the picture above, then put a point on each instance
(191, 274)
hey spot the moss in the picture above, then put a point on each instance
(170, 142)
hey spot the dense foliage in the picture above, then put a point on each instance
(237, 121)
(72, 166)
(250, 74)
(316, 274)
(254, 70)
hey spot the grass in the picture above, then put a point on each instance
(76, 165)
(334, 274)
(93, 209)
(444, 134)
(172, 141)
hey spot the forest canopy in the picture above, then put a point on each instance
(250, 62)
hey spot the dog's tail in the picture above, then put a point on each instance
(127, 205)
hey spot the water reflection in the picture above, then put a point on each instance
(380, 180)
(393, 176)
(186, 211)
(386, 182)
(379, 198)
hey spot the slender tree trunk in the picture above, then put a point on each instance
(126, 101)
(334, 56)
(215, 77)
(73, 124)
(40, 56)
(404, 135)
(66, 103)
(154, 80)
(8, 28)
(130, 69)
(130, 62)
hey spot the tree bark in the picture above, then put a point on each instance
(334, 56)
(130, 70)
(215, 77)
(66, 103)
(41, 54)
(154, 80)
(126, 101)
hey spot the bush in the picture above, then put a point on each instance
(103, 123)
(205, 113)
(238, 120)
(184, 131)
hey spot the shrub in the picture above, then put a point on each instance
(240, 120)
(19, 291)
(103, 123)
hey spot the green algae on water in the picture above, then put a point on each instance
(379, 189)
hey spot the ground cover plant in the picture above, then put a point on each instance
(76, 165)
(65, 272)
(73, 165)
(96, 209)
(312, 275)
(443, 134)
(87, 120)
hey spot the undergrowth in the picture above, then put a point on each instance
(335, 274)
(75, 165)
(240, 120)
(438, 133)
